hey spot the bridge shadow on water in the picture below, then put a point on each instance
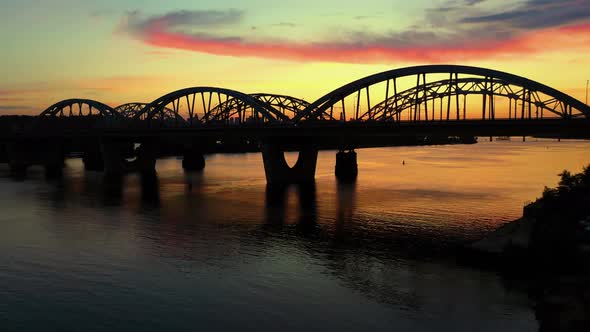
(292, 210)
(387, 268)
(345, 207)
(193, 181)
(382, 266)
(95, 190)
(307, 224)
(113, 188)
(276, 208)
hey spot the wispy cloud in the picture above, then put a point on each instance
(22, 92)
(285, 25)
(15, 108)
(535, 14)
(454, 31)
(10, 99)
(135, 22)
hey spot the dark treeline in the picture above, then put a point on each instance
(562, 228)
(554, 267)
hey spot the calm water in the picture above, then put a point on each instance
(219, 251)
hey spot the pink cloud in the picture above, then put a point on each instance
(370, 53)
(419, 47)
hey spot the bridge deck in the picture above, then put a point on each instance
(542, 127)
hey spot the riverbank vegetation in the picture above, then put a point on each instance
(548, 251)
(560, 233)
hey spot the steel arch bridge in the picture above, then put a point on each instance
(237, 108)
(131, 110)
(418, 102)
(79, 108)
(391, 109)
(286, 104)
(201, 104)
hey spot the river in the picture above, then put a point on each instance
(219, 251)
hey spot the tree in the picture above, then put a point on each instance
(567, 182)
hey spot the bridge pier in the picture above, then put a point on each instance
(92, 158)
(113, 155)
(4, 159)
(147, 156)
(53, 160)
(193, 159)
(346, 169)
(278, 171)
(19, 157)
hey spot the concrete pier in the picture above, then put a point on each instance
(53, 157)
(92, 158)
(278, 171)
(193, 159)
(147, 156)
(19, 157)
(4, 159)
(113, 156)
(346, 166)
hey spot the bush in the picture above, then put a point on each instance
(561, 208)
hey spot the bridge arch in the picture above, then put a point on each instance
(79, 108)
(131, 110)
(233, 108)
(198, 103)
(533, 99)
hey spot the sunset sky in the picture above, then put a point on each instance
(118, 51)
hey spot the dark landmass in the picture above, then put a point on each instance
(549, 248)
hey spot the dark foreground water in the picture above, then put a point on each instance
(220, 251)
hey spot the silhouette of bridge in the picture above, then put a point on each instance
(424, 101)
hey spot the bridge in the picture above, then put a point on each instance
(420, 101)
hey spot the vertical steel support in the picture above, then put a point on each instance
(203, 100)
(358, 105)
(465, 106)
(192, 110)
(386, 101)
(449, 96)
(188, 105)
(516, 107)
(419, 111)
(416, 97)
(523, 103)
(369, 104)
(397, 113)
(433, 107)
(485, 98)
(492, 104)
(424, 95)
(457, 95)
(529, 102)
